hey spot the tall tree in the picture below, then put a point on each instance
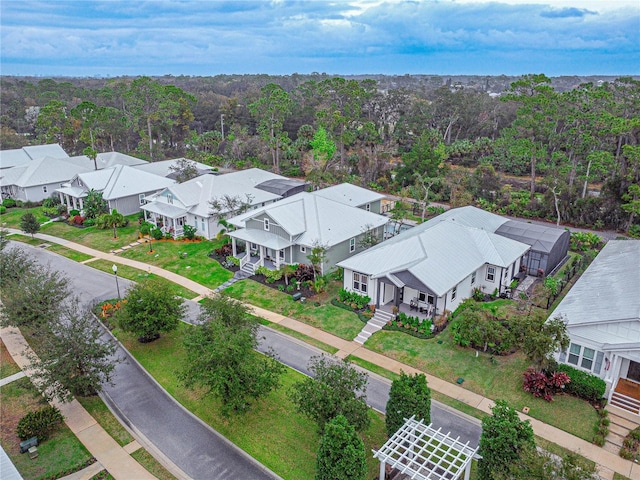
(52, 125)
(221, 356)
(73, 358)
(341, 455)
(151, 308)
(270, 111)
(504, 439)
(94, 205)
(29, 224)
(409, 395)
(114, 219)
(336, 388)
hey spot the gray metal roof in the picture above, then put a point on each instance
(541, 237)
(281, 186)
(349, 194)
(314, 219)
(261, 237)
(165, 209)
(42, 171)
(607, 292)
(439, 253)
(21, 156)
(164, 167)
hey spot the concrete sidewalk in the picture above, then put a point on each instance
(111, 456)
(607, 462)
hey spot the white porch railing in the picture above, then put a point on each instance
(244, 260)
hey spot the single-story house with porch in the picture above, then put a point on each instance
(602, 313)
(434, 266)
(123, 187)
(38, 179)
(286, 232)
(353, 196)
(22, 156)
(188, 203)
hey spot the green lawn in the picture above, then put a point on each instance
(340, 322)
(7, 366)
(196, 266)
(101, 413)
(69, 253)
(136, 275)
(500, 378)
(272, 432)
(300, 336)
(61, 454)
(147, 460)
(100, 239)
(11, 216)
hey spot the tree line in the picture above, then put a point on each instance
(568, 156)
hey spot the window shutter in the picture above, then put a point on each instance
(598, 366)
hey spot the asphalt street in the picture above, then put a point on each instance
(192, 446)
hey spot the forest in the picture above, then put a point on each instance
(565, 149)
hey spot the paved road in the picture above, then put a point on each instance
(177, 434)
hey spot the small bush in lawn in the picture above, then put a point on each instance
(39, 423)
(583, 384)
(9, 203)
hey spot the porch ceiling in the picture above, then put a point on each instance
(260, 237)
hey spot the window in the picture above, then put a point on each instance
(454, 292)
(368, 207)
(581, 356)
(281, 254)
(360, 282)
(266, 224)
(473, 278)
(44, 188)
(431, 300)
(141, 199)
(422, 296)
(169, 198)
(352, 245)
(491, 274)
(303, 249)
(202, 223)
(254, 246)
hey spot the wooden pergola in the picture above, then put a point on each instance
(424, 453)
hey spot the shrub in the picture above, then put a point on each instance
(157, 234)
(39, 423)
(583, 384)
(189, 232)
(76, 220)
(582, 241)
(233, 260)
(74, 212)
(634, 231)
(304, 273)
(2, 209)
(360, 301)
(89, 222)
(8, 203)
(542, 385)
(224, 251)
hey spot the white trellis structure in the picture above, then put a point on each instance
(424, 453)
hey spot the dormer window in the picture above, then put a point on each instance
(266, 224)
(169, 198)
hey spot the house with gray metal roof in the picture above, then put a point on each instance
(285, 232)
(189, 203)
(353, 196)
(167, 168)
(434, 266)
(22, 156)
(602, 313)
(124, 188)
(38, 179)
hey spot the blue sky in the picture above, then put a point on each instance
(198, 37)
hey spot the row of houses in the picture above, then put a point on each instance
(428, 269)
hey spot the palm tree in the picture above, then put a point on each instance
(112, 219)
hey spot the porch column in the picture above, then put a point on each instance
(81, 204)
(261, 255)
(382, 470)
(467, 471)
(233, 247)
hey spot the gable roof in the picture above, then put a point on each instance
(21, 156)
(608, 291)
(43, 171)
(472, 217)
(315, 219)
(349, 194)
(439, 253)
(122, 181)
(163, 167)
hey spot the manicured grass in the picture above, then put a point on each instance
(272, 432)
(18, 237)
(617, 476)
(340, 322)
(69, 253)
(196, 266)
(100, 239)
(154, 467)
(61, 454)
(7, 366)
(11, 216)
(136, 275)
(500, 378)
(98, 410)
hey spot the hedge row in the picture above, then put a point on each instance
(583, 384)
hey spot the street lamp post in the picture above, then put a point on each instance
(114, 267)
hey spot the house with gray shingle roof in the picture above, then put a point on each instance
(124, 188)
(602, 313)
(38, 179)
(188, 203)
(285, 232)
(434, 266)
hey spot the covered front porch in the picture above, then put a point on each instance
(415, 300)
(168, 218)
(72, 197)
(410, 310)
(263, 249)
(625, 381)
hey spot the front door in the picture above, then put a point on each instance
(634, 371)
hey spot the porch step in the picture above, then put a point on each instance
(376, 323)
(625, 403)
(623, 418)
(248, 268)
